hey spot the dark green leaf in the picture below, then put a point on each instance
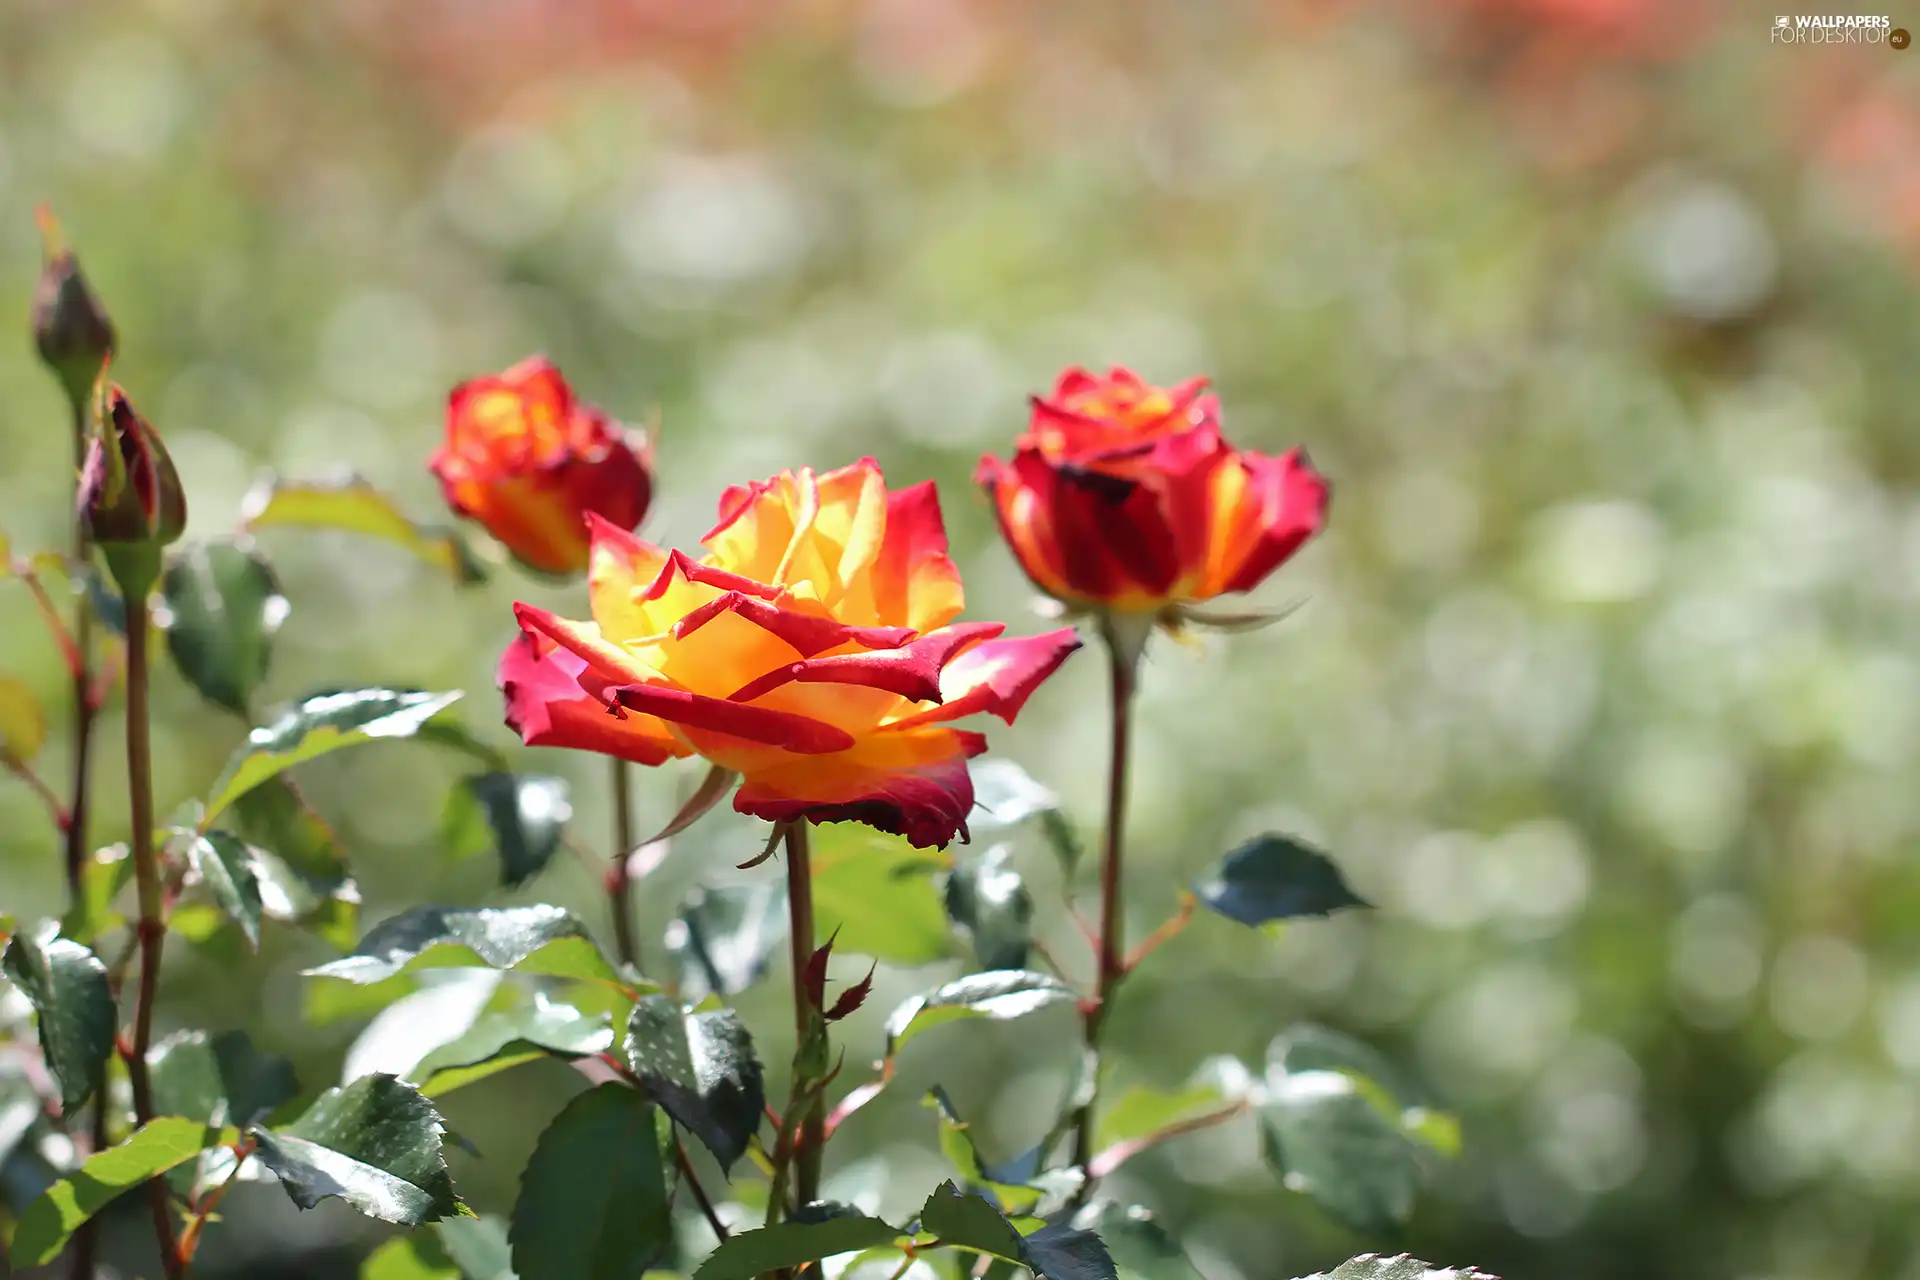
(1058, 1252)
(724, 937)
(1274, 877)
(1374, 1266)
(156, 1147)
(1326, 1138)
(988, 899)
(521, 816)
(352, 505)
(998, 994)
(376, 1143)
(227, 867)
(67, 986)
(701, 1069)
(298, 862)
(789, 1244)
(878, 892)
(1016, 1186)
(539, 1024)
(223, 606)
(218, 1080)
(318, 725)
(593, 1200)
(1140, 1246)
(536, 939)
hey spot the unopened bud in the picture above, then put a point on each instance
(70, 326)
(129, 495)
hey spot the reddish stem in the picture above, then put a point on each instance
(619, 882)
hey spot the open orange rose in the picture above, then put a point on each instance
(1124, 497)
(529, 462)
(812, 651)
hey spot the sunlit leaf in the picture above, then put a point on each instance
(104, 874)
(1326, 1138)
(218, 1079)
(73, 1006)
(1058, 1252)
(1375, 1266)
(375, 1143)
(987, 898)
(593, 1201)
(353, 505)
(1274, 877)
(1139, 1112)
(23, 721)
(541, 1025)
(318, 725)
(701, 1069)
(536, 939)
(790, 1244)
(997, 994)
(223, 606)
(228, 868)
(157, 1146)
(878, 893)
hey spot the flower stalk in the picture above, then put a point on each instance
(152, 927)
(809, 1022)
(620, 874)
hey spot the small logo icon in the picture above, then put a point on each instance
(1899, 38)
(1782, 21)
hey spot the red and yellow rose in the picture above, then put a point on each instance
(1124, 497)
(529, 461)
(812, 651)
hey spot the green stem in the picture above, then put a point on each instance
(810, 1142)
(619, 881)
(152, 925)
(1123, 653)
(80, 664)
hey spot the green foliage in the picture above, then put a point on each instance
(1274, 877)
(1058, 1252)
(539, 939)
(701, 1068)
(318, 725)
(593, 1201)
(533, 1028)
(793, 1244)
(73, 1007)
(223, 606)
(351, 505)
(154, 1148)
(375, 1143)
(520, 817)
(1375, 1266)
(1000, 995)
(724, 937)
(218, 1079)
(1326, 1137)
(1142, 1249)
(986, 897)
(230, 870)
(876, 894)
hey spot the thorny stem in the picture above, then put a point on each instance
(152, 927)
(812, 1134)
(1123, 652)
(203, 1211)
(619, 880)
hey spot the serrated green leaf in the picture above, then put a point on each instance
(352, 505)
(375, 1143)
(1374, 1266)
(593, 1200)
(477, 1246)
(790, 1244)
(516, 1054)
(724, 937)
(701, 1069)
(1017, 1186)
(318, 725)
(73, 1006)
(540, 1024)
(1274, 877)
(298, 862)
(223, 606)
(1058, 1252)
(986, 897)
(997, 994)
(1327, 1139)
(535, 939)
(157, 1146)
(218, 1079)
(520, 816)
(23, 721)
(877, 894)
(226, 865)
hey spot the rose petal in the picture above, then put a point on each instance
(914, 785)
(548, 707)
(915, 582)
(913, 671)
(996, 677)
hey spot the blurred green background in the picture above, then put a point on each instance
(1599, 313)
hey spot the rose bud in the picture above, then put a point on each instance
(70, 327)
(129, 495)
(1123, 498)
(529, 462)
